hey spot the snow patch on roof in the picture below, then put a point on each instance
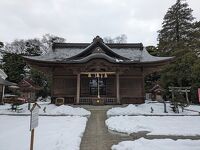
(133, 54)
(146, 57)
(3, 75)
(59, 54)
(130, 53)
(119, 60)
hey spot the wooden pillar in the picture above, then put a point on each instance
(98, 92)
(78, 89)
(186, 95)
(52, 85)
(117, 88)
(142, 82)
(2, 93)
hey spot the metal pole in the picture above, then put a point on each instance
(32, 139)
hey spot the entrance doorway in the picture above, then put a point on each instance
(97, 87)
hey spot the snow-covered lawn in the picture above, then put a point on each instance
(158, 144)
(156, 125)
(145, 109)
(51, 109)
(53, 133)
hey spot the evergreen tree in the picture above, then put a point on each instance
(176, 27)
(153, 50)
(40, 79)
(180, 37)
(152, 79)
(179, 73)
(33, 47)
(13, 66)
(195, 80)
(195, 37)
(1, 44)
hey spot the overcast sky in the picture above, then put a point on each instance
(81, 20)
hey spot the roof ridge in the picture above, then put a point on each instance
(97, 39)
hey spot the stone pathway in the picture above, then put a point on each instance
(97, 136)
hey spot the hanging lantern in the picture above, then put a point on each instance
(97, 75)
(89, 75)
(105, 75)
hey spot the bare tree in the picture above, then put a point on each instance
(48, 39)
(119, 39)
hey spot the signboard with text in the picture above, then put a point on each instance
(34, 116)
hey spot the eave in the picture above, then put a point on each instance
(85, 60)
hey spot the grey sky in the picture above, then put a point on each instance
(81, 20)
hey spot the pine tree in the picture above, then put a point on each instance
(195, 38)
(180, 37)
(176, 27)
(153, 50)
(1, 44)
(13, 66)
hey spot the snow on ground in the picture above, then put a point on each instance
(53, 133)
(64, 109)
(156, 125)
(194, 107)
(145, 109)
(51, 109)
(158, 144)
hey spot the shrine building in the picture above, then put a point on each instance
(97, 72)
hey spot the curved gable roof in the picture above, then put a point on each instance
(115, 53)
(99, 45)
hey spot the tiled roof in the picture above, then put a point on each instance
(71, 52)
(5, 82)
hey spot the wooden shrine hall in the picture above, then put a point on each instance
(97, 72)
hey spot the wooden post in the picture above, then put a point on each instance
(52, 85)
(78, 89)
(2, 90)
(33, 122)
(186, 95)
(173, 95)
(32, 139)
(98, 92)
(117, 82)
(143, 91)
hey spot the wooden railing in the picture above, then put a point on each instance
(85, 100)
(95, 100)
(110, 101)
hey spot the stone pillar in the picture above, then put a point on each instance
(78, 89)
(117, 88)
